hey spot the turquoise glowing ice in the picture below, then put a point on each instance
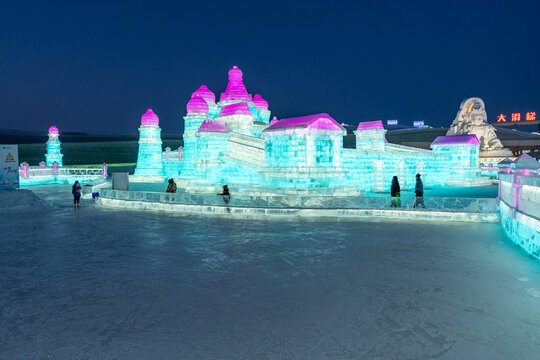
(54, 151)
(234, 142)
(519, 195)
(149, 159)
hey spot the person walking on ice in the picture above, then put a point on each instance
(395, 193)
(76, 191)
(419, 190)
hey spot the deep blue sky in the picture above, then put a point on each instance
(97, 66)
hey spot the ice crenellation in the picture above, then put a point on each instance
(233, 142)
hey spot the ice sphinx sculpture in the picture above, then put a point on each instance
(471, 119)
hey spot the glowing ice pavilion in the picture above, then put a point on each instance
(233, 142)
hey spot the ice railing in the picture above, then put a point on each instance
(472, 205)
(37, 171)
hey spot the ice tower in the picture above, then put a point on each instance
(53, 148)
(370, 136)
(150, 158)
(198, 109)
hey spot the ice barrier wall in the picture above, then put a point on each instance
(519, 202)
(234, 142)
(437, 209)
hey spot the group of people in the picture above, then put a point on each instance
(395, 192)
(171, 188)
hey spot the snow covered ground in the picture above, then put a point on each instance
(100, 283)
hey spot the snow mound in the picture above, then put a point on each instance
(16, 201)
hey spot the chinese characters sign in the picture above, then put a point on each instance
(516, 117)
(9, 167)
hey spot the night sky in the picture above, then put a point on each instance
(97, 66)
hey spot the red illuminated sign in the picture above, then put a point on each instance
(516, 117)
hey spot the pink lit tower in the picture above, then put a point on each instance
(53, 148)
(150, 156)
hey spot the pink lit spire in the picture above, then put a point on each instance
(205, 93)
(149, 118)
(259, 102)
(53, 130)
(197, 105)
(235, 88)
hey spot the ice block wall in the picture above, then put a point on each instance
(519, 195)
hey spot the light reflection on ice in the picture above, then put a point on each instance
(104, 283)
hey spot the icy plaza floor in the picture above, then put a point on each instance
(101, 283)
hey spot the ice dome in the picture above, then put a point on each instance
(235, 73)
(197, 104)
(149, 118)
(53, 130)
(274, 120)
(259, 102)
(205, 93)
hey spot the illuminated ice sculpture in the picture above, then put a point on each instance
(234, 142)
(54, 152)
(149, 158)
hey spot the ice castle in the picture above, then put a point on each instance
(234, 142)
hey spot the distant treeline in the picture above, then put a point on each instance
(38, 137)
(83, 153)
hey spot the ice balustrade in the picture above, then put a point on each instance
(38, 171)
(470, 205)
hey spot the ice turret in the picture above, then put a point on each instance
(238, 117)
(54, 152)
(236, 89)
(149, 158)
(197, 105)
(210, 99)
(370, 136)
(205, 93)
(259, 102)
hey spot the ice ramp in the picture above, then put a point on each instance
(246, 149)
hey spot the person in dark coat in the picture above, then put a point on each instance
(395, 192)
(76, 191)
(419, 191)
(171, 188)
